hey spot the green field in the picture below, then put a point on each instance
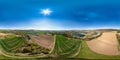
(9, 44)
(66, 47)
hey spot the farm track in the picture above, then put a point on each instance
(105, 44)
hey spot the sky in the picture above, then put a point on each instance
(65, 14)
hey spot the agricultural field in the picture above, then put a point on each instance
(43, 40)
(17, 46)
(66, 47)
(23, 44)
(108, 40)
(9, 44)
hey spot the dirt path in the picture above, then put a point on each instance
(44, 40)
(105, 44)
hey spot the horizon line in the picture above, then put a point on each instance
(59, 29)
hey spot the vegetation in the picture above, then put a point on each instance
(31, 48)
(13, 46)
(41, 32)
(65, 47)
(9, 44)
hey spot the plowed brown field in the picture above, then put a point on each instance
(44, 40)
(105, 44)
(3, 35)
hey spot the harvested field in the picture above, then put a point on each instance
(3, 35)
(105, 44)
(44, 40)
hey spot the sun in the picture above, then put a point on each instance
(46, 11)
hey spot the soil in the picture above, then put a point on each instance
(43, 40)
(105, 44)
(3, 35)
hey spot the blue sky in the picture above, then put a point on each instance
(66, 14)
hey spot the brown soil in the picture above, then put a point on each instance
(3, 35)
(105, 44)
(44, 40)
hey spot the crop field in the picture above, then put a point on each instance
(10, 44)
(108, 40)
(43, 40)
(3, 35)
(66, 47)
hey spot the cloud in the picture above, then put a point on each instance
(39, 24)
(51, 24)
(45, 24)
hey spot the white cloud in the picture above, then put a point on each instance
(45, 24)
(39, 24)
(49, 24)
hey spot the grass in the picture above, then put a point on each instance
(10, 44)
(2, 57)
(65, 47)
(85, 52)
(41, 32)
